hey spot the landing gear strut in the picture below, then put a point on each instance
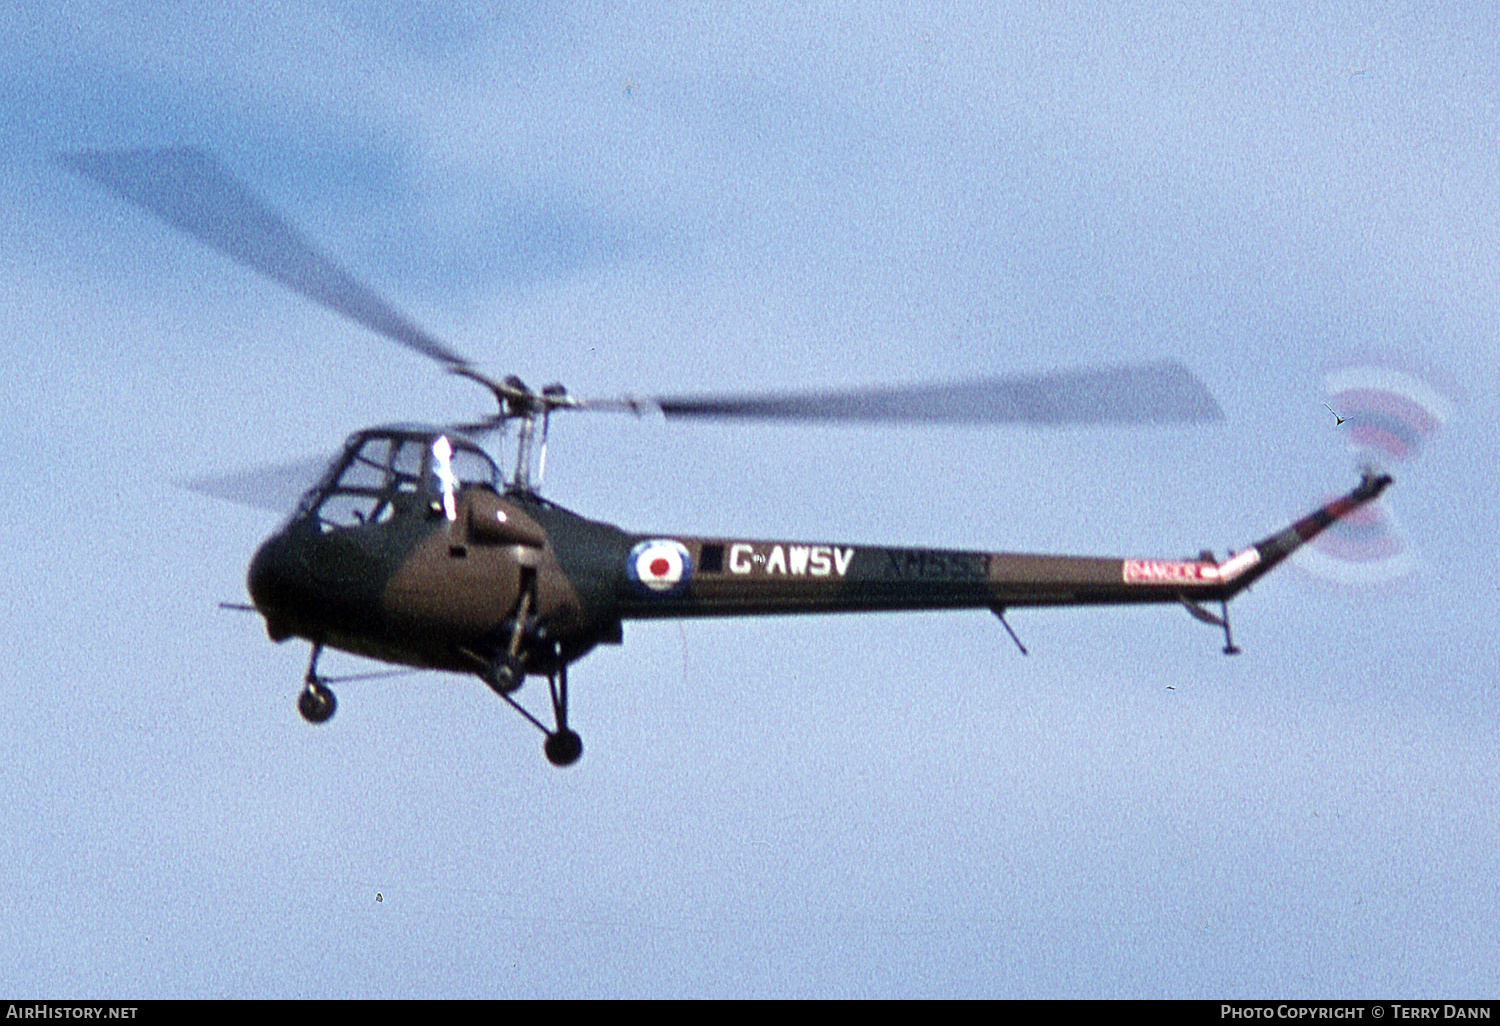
(1222, 620)
(1230, 648)
(316, 703)
(563, 745)
(508, 671)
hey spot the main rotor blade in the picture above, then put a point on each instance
(1162, 392)
(190, 191)
(276, 488)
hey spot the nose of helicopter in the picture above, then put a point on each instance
(272, 585)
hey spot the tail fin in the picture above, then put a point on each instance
(1249, 566)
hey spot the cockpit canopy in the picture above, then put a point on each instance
(389, 470)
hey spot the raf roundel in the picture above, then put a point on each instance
(660, 566)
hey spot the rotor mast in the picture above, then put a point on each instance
(519, 403)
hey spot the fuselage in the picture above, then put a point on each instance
(422, 590)
(408, 552)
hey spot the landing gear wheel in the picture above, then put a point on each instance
(563, 747)
(316, 703)
(508, 674)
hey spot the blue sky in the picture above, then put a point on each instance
(664, 198)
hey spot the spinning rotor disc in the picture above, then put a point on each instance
(189, 190)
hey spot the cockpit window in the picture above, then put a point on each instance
(473, 468)
(368, 469)
(380, 474)
(408, 461)
(350, 509)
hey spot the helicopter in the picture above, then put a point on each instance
(413, 549)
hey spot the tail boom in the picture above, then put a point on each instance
(727, 577)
